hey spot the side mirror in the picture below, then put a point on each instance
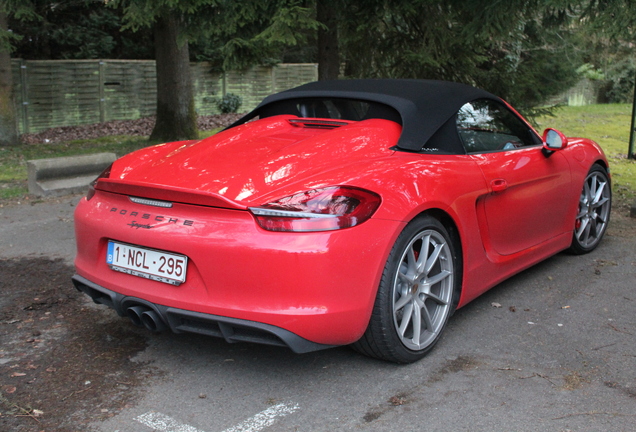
(554, 140)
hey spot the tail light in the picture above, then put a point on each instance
(91, 186)
(324, 209)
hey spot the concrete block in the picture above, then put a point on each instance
(64, 175)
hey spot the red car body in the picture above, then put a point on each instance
(508, 209)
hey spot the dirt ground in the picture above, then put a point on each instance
(139, 127)
(60, 366)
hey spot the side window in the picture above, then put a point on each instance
(485, 125)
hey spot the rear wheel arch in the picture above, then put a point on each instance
(418, 292)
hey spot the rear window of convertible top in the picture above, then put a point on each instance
(331, 108)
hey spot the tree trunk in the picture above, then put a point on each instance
(8, 130)
(176, 117)
(328, 55)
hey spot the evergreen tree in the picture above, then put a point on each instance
(236, 35)
(517, 49)
(78, 29)
(608, 34)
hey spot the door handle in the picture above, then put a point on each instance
(498, 185)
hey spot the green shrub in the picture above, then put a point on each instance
(620, 88)
(230, 103)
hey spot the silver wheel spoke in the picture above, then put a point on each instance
(586, 194)
(591, 190)
(417, 324)
(601, 218)
(593, 229)
(433, 259)
(582, 212)
(584, 223)
(421, 259)
(411, 261)
(584, 231)
(427, 319)
(600, 203)
(598, 193)
(405, 279)
(437, 299)
(402, 302)
(438, 277)
(406, 319)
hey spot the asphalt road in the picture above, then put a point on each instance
(552, 349)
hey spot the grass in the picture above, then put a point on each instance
(608, 125)
(13, 169)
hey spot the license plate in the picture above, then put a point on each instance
(152, 264)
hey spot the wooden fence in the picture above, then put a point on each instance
(52, 93)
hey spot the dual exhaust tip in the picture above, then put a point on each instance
(143, 316)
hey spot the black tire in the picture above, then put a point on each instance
(595, 205)
(414, 293)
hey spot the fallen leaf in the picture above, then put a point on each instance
(9, 389)
(396, 401)
(512, 309)
(495, 305)
(18, 374)
(142, 126)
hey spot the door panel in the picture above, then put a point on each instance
(528, 200)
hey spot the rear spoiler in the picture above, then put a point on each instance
(166, 193)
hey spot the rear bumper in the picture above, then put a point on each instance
(182, 321)
(319, 286)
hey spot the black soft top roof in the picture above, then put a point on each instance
(423, 105)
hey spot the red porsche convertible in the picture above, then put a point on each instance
(359, 212)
